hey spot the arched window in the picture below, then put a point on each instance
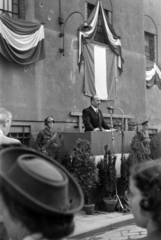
(150, 37)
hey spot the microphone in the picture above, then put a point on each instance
(110, 108)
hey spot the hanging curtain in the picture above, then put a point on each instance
(153, 76)
(21, 41)
(87, 36)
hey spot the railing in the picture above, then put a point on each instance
(105, 115)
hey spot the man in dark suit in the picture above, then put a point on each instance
(92, 116)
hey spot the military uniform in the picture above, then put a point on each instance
(145, 138)
(43, 138)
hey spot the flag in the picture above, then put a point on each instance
(153, 76)
(21, 41)
(86, 36)
(100, 71)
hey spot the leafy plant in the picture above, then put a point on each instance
(84, 169)
(138, 152)
(59, 154)
(125, 174)
(155, 146)
(107, 172)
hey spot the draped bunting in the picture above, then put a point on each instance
(153, 76)
(87, 36)
(21, 41)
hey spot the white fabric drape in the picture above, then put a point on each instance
(153, 76)
(21, 42)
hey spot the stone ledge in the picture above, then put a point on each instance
(85, 228)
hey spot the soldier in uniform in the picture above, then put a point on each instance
(144, 137)
(45, 136)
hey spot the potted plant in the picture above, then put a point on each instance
(107, 177)
(85, 171)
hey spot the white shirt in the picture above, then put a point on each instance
(95, 109)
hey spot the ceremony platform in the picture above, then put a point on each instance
(98, 141)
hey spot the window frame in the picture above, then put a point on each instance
(10, 8)
(99, 36)
(150, 46)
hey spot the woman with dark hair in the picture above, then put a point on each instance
(145, 197)
(39, 197)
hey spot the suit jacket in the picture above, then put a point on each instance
(93, 120)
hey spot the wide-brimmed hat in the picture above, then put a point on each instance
(38, 182)
(48, 119)
(145, 122)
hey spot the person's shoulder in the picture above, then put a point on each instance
(41, 132)
(8, 140)
(141, 133)
(86, 109)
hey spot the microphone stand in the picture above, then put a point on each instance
(111, 112)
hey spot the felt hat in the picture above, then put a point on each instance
(145, 122)
(48, 119)
(39, 182)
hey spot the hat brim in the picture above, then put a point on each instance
(8, 157)
(145, 122)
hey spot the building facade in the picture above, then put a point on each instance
(54, 86)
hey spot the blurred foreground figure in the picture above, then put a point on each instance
(145, 197)
(39, 197)
(5, 124)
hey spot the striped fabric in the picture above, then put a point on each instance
(153, 76)
(21, 41)
(100, 71)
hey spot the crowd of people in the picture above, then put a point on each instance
(39, 197)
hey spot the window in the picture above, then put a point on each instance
(150, 46)
(99, 36)
(22, 133)
(10, 7)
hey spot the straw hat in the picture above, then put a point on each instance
(39, 182)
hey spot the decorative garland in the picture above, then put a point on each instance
(153, 76)
(21, 41)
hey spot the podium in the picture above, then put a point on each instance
(98, 140)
